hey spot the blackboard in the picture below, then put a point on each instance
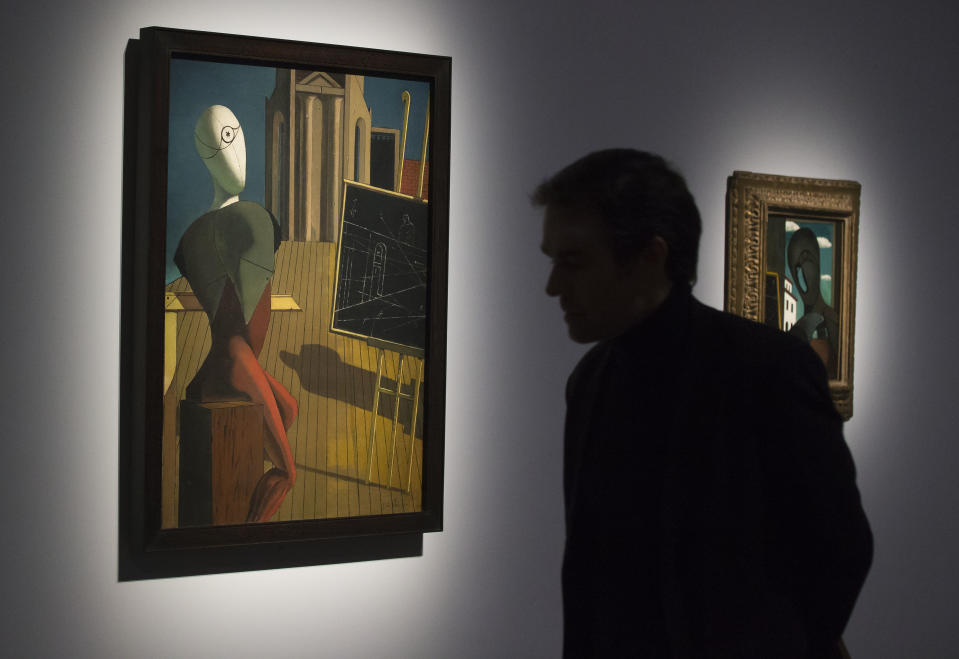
(381, 268)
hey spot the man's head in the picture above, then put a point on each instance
(621, 229)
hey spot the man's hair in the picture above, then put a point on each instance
(639, 196)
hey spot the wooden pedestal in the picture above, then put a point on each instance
(221, 461)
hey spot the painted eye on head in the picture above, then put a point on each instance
(228, 134)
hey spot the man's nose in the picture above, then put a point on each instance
(552, 284)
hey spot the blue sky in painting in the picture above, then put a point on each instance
(196, 85)
(383, 98)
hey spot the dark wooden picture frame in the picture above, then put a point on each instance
(374, 408)
(781, 230)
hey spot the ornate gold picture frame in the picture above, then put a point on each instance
(791, 246)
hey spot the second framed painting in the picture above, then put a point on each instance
(791, 250)
(284, 297)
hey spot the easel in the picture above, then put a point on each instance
(397, 393)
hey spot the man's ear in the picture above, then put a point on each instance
(655, 254)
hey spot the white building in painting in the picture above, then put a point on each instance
(320, 133)
(789, 305)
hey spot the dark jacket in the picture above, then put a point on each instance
(749, 531)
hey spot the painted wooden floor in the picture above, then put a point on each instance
(332, 378)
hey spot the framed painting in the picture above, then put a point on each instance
(284, 303)
(791, 246)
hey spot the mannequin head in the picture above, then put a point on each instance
(803, 256)
(219, 141)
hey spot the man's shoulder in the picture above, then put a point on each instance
(736, 354)
(718, 343)
(723, 334)
(710, 331)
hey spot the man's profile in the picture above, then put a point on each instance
(699, 523)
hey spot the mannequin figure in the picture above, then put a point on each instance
(820, 322)
(227, 256)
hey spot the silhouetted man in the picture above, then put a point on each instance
(711, 503)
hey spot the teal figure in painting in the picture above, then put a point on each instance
(227, 256)
(819, 324)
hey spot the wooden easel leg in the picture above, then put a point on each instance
(416, 409)
(398, 395)
(376, 410)
(396, 417)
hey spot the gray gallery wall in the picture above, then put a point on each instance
(861, 91)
